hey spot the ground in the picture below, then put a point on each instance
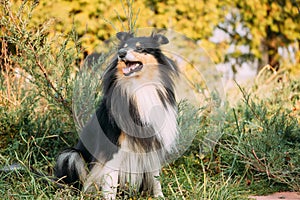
(279, 195)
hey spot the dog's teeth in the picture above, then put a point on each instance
(131, 67)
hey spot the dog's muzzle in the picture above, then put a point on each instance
(131, 64)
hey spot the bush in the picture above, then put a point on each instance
(262, 140)
(36, 85)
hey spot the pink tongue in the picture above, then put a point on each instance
(126, 70)
(129, 67)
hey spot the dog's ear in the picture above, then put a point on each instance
(122, 36)
(160, 39)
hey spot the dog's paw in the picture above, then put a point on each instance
(159, 195)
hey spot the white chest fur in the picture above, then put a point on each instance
(153, 111)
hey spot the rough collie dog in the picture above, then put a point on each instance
(134, 130)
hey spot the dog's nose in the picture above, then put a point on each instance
(122, 53)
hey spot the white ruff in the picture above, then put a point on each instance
(150, 107)
(153, 112)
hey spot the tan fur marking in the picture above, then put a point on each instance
(120, 66)
(150, 69)
(122, 137)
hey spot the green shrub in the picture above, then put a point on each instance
(36, 86)
(262, 141)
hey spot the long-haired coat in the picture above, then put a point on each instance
(134, 129)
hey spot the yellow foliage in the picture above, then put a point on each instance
(98, 20)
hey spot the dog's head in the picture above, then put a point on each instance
(139, 56)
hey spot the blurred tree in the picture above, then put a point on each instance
(264, 27)
(97, 20)
(195, 19)
(255, 30)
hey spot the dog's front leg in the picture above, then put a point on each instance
(110, 183)
(104, 177)
(157, 191)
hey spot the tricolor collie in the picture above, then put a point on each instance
(134, 130)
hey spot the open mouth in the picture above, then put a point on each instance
(131, 67)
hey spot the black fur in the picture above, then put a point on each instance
(67, 172)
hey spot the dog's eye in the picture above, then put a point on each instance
(140, 49)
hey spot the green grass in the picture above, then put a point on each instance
(258, 152)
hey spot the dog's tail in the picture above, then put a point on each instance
(70, 168)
